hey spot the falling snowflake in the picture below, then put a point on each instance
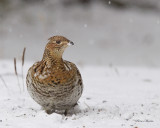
(109, 2)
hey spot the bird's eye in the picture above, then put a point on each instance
(58, 42)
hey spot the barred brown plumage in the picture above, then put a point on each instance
(54, 83)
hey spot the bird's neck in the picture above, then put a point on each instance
(52, 58)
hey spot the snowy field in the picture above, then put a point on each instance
(114, 97)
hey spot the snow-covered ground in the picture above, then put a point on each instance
(114, 97)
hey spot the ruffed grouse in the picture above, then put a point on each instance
(54, 83)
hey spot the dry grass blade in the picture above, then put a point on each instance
(3, 81)
(23, 57)
(15, 68)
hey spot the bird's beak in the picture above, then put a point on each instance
(70, 43)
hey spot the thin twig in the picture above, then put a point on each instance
(23, 57)
(87, 105)
(3, 81)
(15, 69)
(116, 70)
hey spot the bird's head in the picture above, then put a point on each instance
(56, 46)
(58, 43)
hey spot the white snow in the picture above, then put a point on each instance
(113, 97)
(85, 25)
(42, 76)
(35, 74)
(109, 2)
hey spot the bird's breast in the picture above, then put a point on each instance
(55, 76)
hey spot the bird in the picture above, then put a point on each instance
(54, 83)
